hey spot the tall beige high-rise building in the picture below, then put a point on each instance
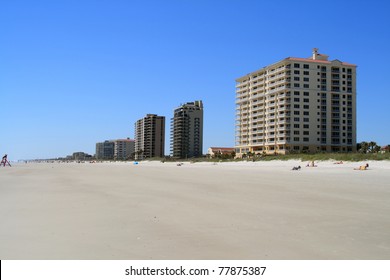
(297, 105)
(149, 137)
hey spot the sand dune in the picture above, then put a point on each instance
(156, 210)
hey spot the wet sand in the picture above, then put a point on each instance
(159, 210)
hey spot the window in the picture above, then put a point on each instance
(305, 113)
(296, 99)
(296, 120)
(296, 132)
(306, 133)
(306, 119)
(306, 100)
(305, 72)
(296, 139)
(305, 93)
(296, 106)
(296, 65)
(305, 139)
(296, 113)
(296, 85)
(296, 78)
(305, 126)
(305, 79)
(305, 106)
(296, 93)
(305, 85)
(296, 125)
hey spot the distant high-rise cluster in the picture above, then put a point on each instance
(186, 133)
(149, 137)
(297, 105)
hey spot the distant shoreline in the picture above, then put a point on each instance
(352, 157)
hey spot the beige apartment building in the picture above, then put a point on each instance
(297, 105)
(123, 149)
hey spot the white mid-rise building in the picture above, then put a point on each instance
(123, 149)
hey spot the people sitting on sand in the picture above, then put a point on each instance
(311, 164)
(362, 167)
(339, 162)
(296, 167)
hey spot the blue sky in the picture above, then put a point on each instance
(73, 73)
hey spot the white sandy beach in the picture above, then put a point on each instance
(156, 210)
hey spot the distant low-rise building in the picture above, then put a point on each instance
(81, 156)
(215, 151)
(385, 149)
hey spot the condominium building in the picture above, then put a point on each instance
(187, 130)
(123, 149)
(105, 150)
(150, 137)
(297, 105)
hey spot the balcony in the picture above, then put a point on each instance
(242, 89)
(242, 100)
(277, 89)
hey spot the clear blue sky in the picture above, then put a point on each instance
(77, 72)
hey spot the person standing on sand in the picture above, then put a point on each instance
(4, 161)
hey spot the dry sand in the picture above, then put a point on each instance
(196, 211)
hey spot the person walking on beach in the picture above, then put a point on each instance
(5, 161)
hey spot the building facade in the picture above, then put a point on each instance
(124, 149)
(187, 130)
(149, 137)
(297, 105)
(105, 150)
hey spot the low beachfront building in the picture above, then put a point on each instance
(217, 151)
(81, 156)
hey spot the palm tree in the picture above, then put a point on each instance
(373, 147)
(362, 147)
